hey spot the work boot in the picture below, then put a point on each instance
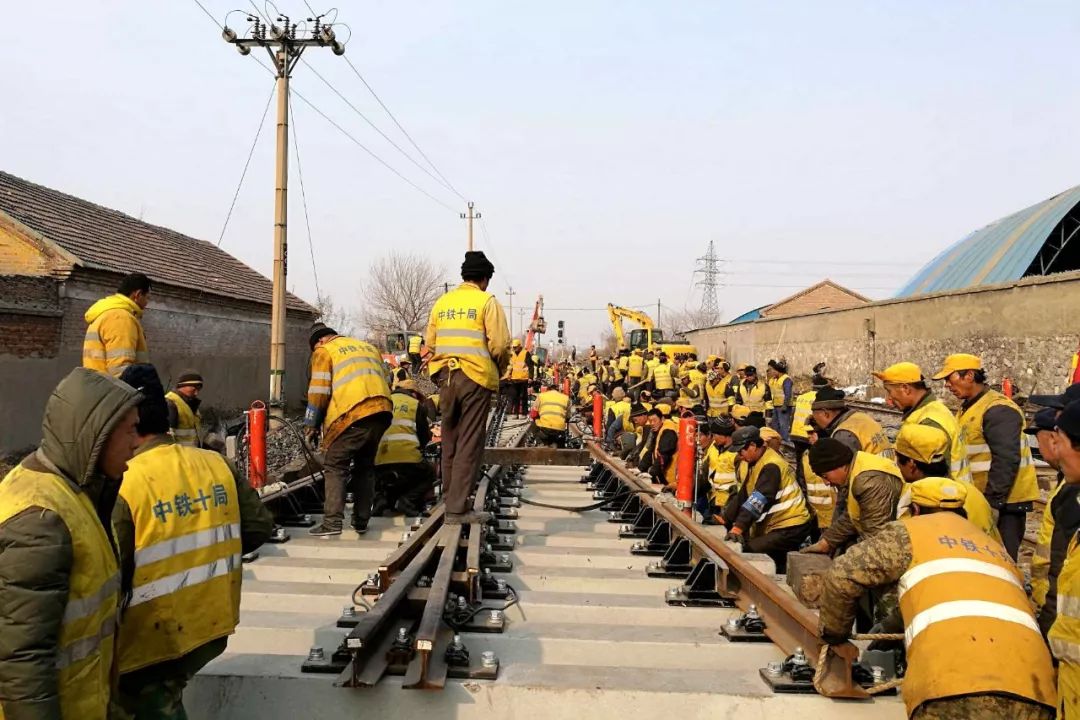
(360, 526)
(406, 508)
(325, 530)
(467, 518)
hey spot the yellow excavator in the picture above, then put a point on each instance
(646, 337)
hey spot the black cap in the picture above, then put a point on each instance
(1071, 394)
(750, 370)
(829, 399)
(1068, 421)
(637, 410)
(319, 331)
(476, 266)
(743, 437)
(1045, 419)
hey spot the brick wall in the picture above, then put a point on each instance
(29, 336)
(826, 296)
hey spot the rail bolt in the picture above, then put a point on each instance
(878, 672)
(488, 659)
(316, 654)
(774, 669)
(495, 618)
(348, 611)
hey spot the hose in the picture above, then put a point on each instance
(586, 508)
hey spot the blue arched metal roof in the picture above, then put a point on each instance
(1000, 252)
(748, 316)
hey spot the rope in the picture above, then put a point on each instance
(819, 672)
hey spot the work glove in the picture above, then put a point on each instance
(311, 436)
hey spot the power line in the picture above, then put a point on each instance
(780, 261)
(247, 163)
(491, 246)
(303, 197)
(209, 15)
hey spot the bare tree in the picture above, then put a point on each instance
(608, 345)
(399, 293)
(339, 318)
(678, 322)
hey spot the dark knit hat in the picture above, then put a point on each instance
(722, 426)
(189, 377)
(778, 365)
(319, 331)
(476, 266)
(829, 399)
(153, 412)
(819, 381)
(828, 454)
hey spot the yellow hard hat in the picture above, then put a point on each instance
(740, 412)
(767, 434)
(923, 443)
(938, 493)
(955, 363)
(664, 408)
(516, 343)
(902, 372)
(684, 402)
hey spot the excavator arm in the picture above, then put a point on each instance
(616, 315)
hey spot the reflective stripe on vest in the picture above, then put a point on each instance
(969, 627)
(669, 425)
(821, 495)
(752, 397)
(460, 336)
(635, 366)
(519, 368)
(551, 406)
(800, 427)
(186, 431)
(186, 589)
(1025, 487)
(399, 444)
(357, 375)
(86, 640)
(662, 378)
(1064, 635)
(793, 511)
(718, 405)
(776, 389)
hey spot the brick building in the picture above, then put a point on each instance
(208, 311)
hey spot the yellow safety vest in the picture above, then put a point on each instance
(186, 431)
(1064, 635)
(662, 377)
(800, 419)
(669, 473)
(697, 380)
(114, 335)
(968, 624)
(635, 367)
(721, 475)
(935, 413)
(551, 409)
(614, 373)
(399, 444)
(519, 368)
(820, 495)
(651, 364)
(717, 394)
(186, 590)
(414, 345)
(752, 397)
(871, 435)
(1040, 559)
(357, 375)
(776, 388)
(789, 505)
(85, 646)
(624, 363)
(460, 337)
(865, 462)
(1026, 487)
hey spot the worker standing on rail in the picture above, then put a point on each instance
(185, 422)
(114, 333)
(468, 330)
(906, 389)
(182, 521)
(768, 514)
(868, 491)
(751, 392)
(60, 589)
(782, 392)
(521, 374)
(348, 403)
(973, 648)
(552, 415)
(920, 453)
(854, 428)
(402, 477)
(1002, 467)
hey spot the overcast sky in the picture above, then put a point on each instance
(605, 143)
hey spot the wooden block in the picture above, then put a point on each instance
(805, 576)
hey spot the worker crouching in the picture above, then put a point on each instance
(402, 477)
(552, 414)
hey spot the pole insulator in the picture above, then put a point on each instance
(687, 454)
(256, 418)
(598, 415)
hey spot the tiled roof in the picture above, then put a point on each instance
(110, 240)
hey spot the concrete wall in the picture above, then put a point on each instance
(228, 342)
(1025, 330)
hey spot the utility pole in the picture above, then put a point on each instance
(285, 48)
(709, 267)
(509, 292)
(470, 216)
(521, 320)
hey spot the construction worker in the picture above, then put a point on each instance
(468, 330)
(819, 494)
(402, 477)
(716, 387)
(920, 453)
(906, 389)
(868, 491)
(114, 333)
(782, 392)
(665, 448)
(854, 428)
(1065, 633)
(183, 404)
(615, 374)
(663, 375)
(552, 415)
(593, 357)
(720, 461)
(801, 427)
(641, 454)
(182, 521)
(768, 514)
(750, 392)
(521, 372)
(60, 593)
(624, 362)
(348, 403)
(416, 343)
(973, 648)
(689, 390)
(635, 369)
(1001, 464)
(616, 416)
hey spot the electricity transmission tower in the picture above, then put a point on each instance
(285, 47)
(708, 267)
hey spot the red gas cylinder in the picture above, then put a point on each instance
(566, 386)
(598, 415)
(684, 470)
(256, 418)
(1007, 388)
